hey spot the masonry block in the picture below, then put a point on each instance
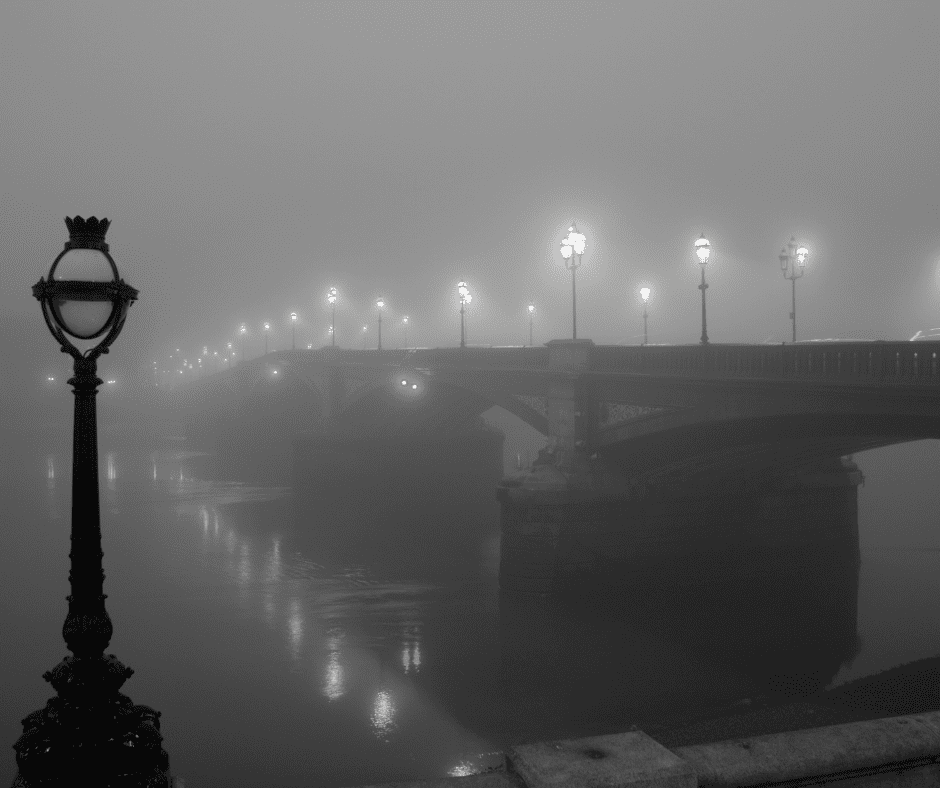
(620, 760)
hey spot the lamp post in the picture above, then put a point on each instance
(531, 309)
(404, 322)
(645, 295)
(792, 262)
(463, 292)
(89, 728)
(572, 246)
(365, 331)
(379, 305)
(267, 328)
(293, 338)
(243, 330)
(331, 297)
(702, 251)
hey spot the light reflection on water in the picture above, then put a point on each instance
(383, 714)
(334, 685)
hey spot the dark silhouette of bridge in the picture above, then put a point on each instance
(644, 444)
(665, 413)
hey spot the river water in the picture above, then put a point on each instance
(273, 666)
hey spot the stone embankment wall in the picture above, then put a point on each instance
(895, 752)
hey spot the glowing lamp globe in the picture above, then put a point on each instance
(380, 303)
(84, 296)
(293, 317)
(331, 297)
(645, 293)
(531, 308)
(702, 249)
(801, 254)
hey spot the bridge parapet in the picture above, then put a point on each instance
(860, 362)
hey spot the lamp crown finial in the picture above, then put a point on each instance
(87, 233)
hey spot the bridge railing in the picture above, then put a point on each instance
(875, 362)
(533, 358)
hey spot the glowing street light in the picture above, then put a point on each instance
(380, 305)
(702, 251)
(293, 322)
(85, 298)
(531, 309)
(331, 297)
(645, 295)
(463, 292)
(573, 246)
(792, 262)
(267, 328)
(404, 323)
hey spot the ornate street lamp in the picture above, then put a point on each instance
(243, 330)
(331, 297)
(379, 305)
(267, 328)
(792, 262)
(702, 251)
(645, 295)
(531, 309)
(293, 323)
(463, 292)
(404, 322)
(89, 728)
(572, 246)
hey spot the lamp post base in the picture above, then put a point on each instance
(91, 732)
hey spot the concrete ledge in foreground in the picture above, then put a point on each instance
(893, 752)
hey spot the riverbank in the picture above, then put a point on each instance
(913, 688)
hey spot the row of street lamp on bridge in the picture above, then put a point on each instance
(792, 262)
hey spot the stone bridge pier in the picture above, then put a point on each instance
(575, 522)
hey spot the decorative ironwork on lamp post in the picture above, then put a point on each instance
(463, 293)
(702, 251)
(572, 246)
(792, 261)
(645, 295)
(89, 731)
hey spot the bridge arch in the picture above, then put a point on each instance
(756, 446)
(441, 405)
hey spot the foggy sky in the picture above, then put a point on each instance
(250, 155)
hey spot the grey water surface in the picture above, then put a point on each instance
(275, 665)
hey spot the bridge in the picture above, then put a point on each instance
(625, 425)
